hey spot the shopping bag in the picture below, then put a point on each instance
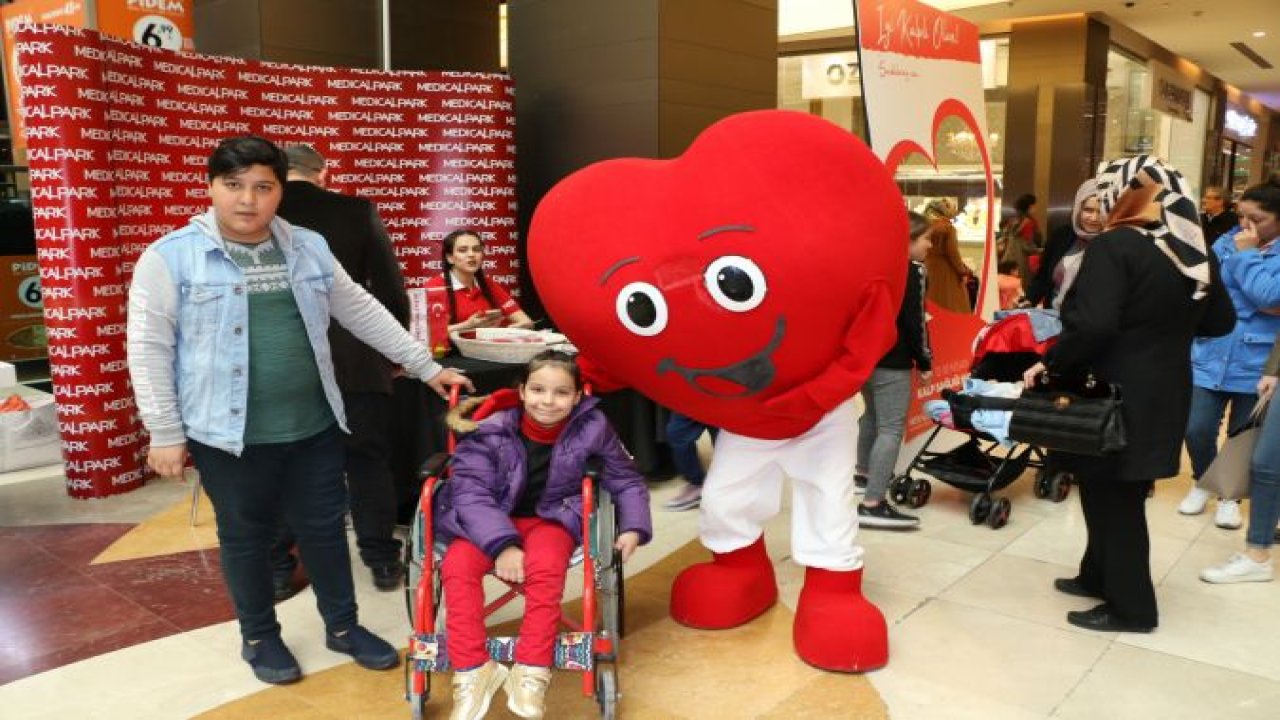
(1228, 474)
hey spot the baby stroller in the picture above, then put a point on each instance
(589, 645)
(1003, 350)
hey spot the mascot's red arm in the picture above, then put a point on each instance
(871, 334)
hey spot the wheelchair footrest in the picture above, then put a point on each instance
(573, 651)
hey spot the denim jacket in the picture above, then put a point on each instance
(1233, 363)
(188, 341)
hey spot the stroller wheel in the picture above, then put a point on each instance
(1042, 490)
(979, 508)
(900, 489)
(1060, 487)
(999, 516)
(919, 493)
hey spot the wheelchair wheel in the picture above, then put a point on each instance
(607, 694)
(608, 580)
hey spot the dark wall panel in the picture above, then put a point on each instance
(331, 32)
(445, 35)
(228, 27)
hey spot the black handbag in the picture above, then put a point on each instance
(1085, 420)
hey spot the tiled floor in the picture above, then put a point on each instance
(113, 609)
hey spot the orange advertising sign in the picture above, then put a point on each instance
(28, 12)
(167, 24)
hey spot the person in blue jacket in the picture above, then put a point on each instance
(1226, 369)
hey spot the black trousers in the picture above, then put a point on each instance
(1117, 560)
(370, 484)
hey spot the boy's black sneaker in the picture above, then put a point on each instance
(885, 516)
(271, 661)
(369, 650)
(387, 577)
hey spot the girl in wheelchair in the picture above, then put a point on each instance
(514, 506)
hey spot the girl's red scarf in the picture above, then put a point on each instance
(538, 433)
(509, 398)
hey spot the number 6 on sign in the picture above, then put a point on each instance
(157, 31)
(29, 292)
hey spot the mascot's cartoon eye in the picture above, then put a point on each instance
(735, 283)
(642, 309)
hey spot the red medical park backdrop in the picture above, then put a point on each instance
(119, 135)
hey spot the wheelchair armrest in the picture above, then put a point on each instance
(435, 465)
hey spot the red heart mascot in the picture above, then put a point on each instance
(752, 284)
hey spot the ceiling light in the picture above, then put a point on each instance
(1259, 33)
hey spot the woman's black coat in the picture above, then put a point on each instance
(1130, 319)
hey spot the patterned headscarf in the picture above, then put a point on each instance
(1088, 189)
(1143, 193)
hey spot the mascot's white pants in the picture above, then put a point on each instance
(744, 486)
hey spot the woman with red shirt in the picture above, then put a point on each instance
(473, 301)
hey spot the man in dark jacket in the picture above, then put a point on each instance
(1215, 217)
(360, 243)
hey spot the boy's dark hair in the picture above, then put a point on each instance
(1007, 267)
(557, 358)
(1024, 203)
(236, 154)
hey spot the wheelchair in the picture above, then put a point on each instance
(588, 644)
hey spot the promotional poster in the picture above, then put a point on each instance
(921, 67)
(119, 136)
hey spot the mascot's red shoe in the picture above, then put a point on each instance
(836, 627)
(732, 589)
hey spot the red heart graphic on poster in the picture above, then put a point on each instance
(951, 334)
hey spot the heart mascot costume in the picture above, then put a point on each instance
(752, 284)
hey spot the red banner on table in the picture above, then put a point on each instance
(119, 137)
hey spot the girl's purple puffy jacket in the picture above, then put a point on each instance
(489, 475)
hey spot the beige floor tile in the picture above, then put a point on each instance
(989, 655)
(1184, 577)
(168, 678)
(165, 533)
(1215, 630)
(1061, 540)
(910, 697)
(914, 564)
(754, 668)
(1133, 684)
(830, 697)
(1021, 588)
(277, 704)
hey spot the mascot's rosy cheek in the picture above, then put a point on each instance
(752, 284)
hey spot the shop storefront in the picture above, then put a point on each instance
(826, 83)
(1239, 136)
(1152, 109)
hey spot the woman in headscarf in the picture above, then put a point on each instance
(1065, 250)
(1144, 289)
(943, 266)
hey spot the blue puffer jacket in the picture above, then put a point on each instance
(489, 475)
(1233, 363)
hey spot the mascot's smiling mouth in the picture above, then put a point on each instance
(741, 379)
